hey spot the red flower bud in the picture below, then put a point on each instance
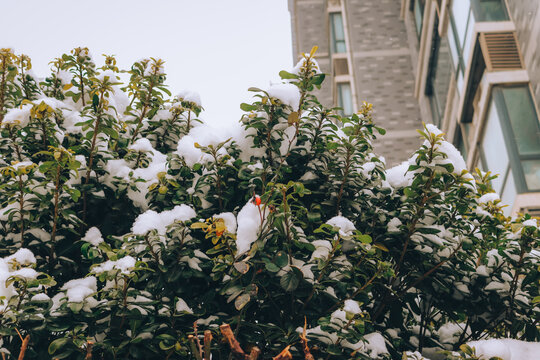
(257, 200)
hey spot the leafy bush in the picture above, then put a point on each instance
(124, 221)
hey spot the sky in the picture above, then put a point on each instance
(218, 48)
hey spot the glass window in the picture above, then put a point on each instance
(454, 51)
(509, 193)
(523, 119)
(494, 149)
(337, 33)
(515, 136)
(490, 10)
(531, 170)
(460, 144)
(345, 98)
(439, 75)
(468, 39)
(418, 9)
(460, 17)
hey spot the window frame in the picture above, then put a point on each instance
(333, 39)
(340, 102)
(515, 167)
(477, 9)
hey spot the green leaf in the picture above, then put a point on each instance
(281, 259)
(95, 102)
(248, 107)
(57, 344)
(271, 267)
(365, 239)
(290, 281)
(318, 79)
(287, 75)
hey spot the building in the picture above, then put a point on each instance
(475, 74)
(364, 46)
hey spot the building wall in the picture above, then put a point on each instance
(309, 24)
(526, 17)
(381, 65)
(383, 73)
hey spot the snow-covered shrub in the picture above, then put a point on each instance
(124, 220)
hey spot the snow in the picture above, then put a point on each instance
(498, 286)
(352, 307)
(449, 333)
(489, 197)
(398, 176)
(288, 94)
(23, 257)
(250, 219)
(322, 249)
(203, 135)
(40, 297)
(78, 290)
(230, 221)
(181, 306)
(394, 224)
(531, 222)
(93, 236)
(299, 64)
(125, 265)
(26, 273)
(506, 349)
(375, 344)
(151, 220)
(190, 96)
(121, 169)
(18, 116)
(142, 144)
(346, 227)
(482, 270)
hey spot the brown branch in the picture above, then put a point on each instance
(285, 354)
(24, 346)
(89, 345)
(254, 353)
(228, 334)
(207, 344)
(194, 348)
(305, 347)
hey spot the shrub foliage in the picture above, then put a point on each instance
(124, 221)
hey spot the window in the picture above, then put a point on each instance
(417, 7)
(511, 143)
(490, 10)
(337, 33)
(460, 37)
(344, 97)
(439, 75)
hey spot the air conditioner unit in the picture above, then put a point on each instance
(501, 51)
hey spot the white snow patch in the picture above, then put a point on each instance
(346, 227)
(93, 236)
(250, 220)
(151, 220)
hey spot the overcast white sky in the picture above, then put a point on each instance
(218, 48)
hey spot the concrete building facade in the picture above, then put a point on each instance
(471, 67)
(363, 45)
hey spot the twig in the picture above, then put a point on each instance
(285, 354)
(207, 344)
(305, 347)
(194, 349)
(23, 346)
(89, 345)
(233, 343)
